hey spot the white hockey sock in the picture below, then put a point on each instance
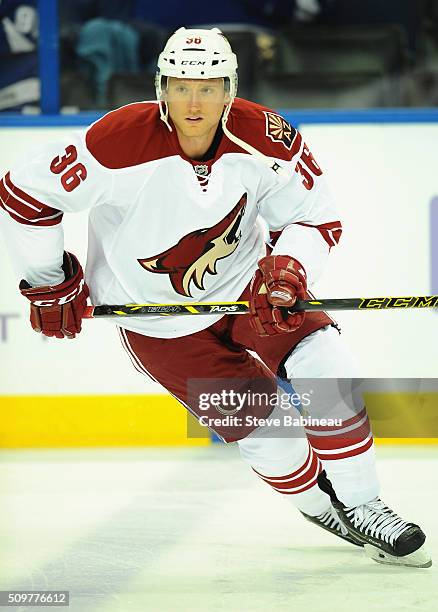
(347, 453)
(288, 465)
(354, 478)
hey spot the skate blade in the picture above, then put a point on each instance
(419, 558)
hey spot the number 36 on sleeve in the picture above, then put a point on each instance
(73, 177)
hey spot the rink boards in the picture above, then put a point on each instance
(87, 393)
(156, 420)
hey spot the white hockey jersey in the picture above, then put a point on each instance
(164, 228)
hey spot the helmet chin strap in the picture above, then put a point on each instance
(162, 104)
(268, 161)
(164, 113)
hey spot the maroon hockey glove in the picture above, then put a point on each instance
(57, 311)
(279, 282)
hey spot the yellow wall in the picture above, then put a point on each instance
(151, 420)
(94, 420)
(409, 418)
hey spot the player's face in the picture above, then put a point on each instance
(196, 105)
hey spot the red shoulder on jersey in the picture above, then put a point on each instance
(271, 134)
(128, 136)
(264, 129)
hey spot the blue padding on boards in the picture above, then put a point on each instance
(296, 117)
(81, 120)
(360, 116)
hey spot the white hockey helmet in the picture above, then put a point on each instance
(205, 54)
(196, 54)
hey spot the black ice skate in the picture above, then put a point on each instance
(330, 522)
(386, 537)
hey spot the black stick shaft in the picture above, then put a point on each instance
(376, 303)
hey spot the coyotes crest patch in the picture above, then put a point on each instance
(279, 130)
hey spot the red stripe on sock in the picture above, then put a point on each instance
(345, 423)
(298, 481)
(332, 441)
(343, 454)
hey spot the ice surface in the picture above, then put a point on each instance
(193, 529)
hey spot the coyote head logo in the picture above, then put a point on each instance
(198, 252)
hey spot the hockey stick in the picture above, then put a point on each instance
(380, 303)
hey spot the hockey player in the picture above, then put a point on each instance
(176, 189)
